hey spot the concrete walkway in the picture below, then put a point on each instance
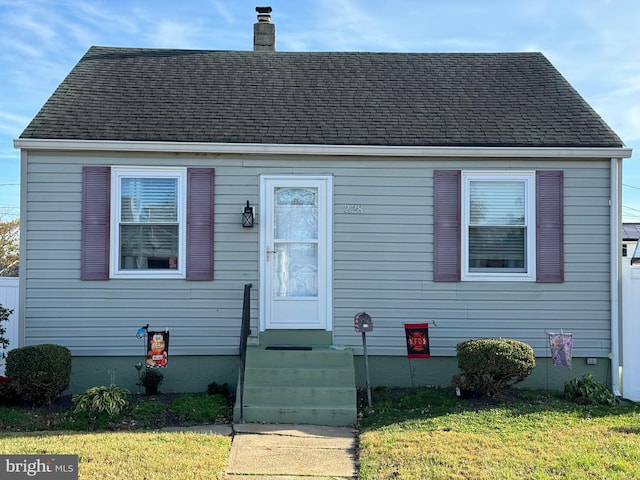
(275, 452)
(286, 452)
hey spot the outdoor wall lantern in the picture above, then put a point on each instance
(247, 216)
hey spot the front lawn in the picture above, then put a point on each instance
(125, 447)
(430, 433)
(409, 434)
(135, 455)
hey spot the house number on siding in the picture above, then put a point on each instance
(353, 209)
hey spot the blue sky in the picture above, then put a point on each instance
(595, 44)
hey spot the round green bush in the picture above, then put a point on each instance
(490, 365)
(39, 373)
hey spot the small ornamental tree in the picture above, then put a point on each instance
(9, 248)
(4, 341)
(489, 365)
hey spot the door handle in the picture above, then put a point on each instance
(268, 252)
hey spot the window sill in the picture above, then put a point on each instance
(148, 275)
(498, 277)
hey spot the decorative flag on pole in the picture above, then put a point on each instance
(561, 345)
(417, 340)
(157, 349)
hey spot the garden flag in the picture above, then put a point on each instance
(561, 345)
(417, 340)
(157, 349)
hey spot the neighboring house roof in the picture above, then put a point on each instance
(630, 231)
(337, 98)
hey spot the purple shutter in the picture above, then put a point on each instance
(446, 235)
(200, 188)
(549, 226)
(94, 243)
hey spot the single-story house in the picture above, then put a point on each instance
(478, 193)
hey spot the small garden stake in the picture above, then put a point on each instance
(362, 323)
(142, 333)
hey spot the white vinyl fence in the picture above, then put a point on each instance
(630, 331)
(9, 287)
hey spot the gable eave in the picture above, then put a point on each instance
(322, 150)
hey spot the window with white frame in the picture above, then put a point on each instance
(498, 233)
(147, 222)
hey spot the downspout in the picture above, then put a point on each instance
(615, 276)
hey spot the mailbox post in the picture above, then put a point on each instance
(362, 323)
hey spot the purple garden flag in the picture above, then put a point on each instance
(561, 345)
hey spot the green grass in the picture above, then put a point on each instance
(129, 455)
(125, 447)
(408, 434)
(199, 409)
(533, 435)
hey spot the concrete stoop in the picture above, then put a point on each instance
(315, 387)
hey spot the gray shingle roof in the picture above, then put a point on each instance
(334, 98)
(630, 231)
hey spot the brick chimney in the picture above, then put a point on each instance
(264, 32)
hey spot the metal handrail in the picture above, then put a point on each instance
(245, 331)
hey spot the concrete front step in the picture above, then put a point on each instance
(316, 357)
(329, 416)
(314, 387)
(291, 396)
(299, 377)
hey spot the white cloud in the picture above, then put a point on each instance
(224, 12)
(35, 24)
(10, 123)
(17, 48)
(171, 34)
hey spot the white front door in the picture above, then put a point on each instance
(296, 256)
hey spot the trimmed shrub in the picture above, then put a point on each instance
(8, 394)
(587, 391)
(489, 365)
(39, 373)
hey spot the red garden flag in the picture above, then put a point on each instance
(417, 340)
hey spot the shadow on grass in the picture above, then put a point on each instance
(627, 430)
(143, 413)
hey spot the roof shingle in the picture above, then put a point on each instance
(332, 98)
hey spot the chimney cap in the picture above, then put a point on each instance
(264, 14)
